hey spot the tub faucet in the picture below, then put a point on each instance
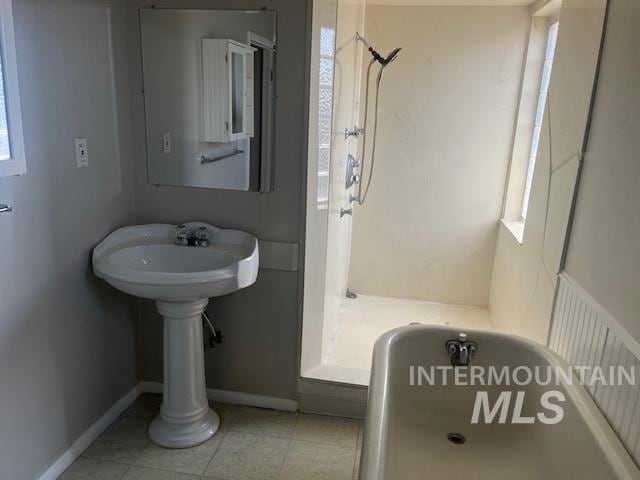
(461, 351)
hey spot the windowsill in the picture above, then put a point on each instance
(516, 227)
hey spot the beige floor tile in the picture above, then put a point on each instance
(264, 422)
(226, 412)
(145, 407)
(124, 441)
(93, 469)
(140, 473)
(184, 460)
(245, 456)
(340, 432)
(313, 461)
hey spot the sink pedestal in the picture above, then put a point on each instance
(185, 419)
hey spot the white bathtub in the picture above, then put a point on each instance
(407, 426)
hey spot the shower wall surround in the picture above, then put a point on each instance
(525, 275)
(447, 105)
(335, 85)
(346, 100)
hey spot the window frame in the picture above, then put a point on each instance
(16, 164)
(540, 111)
(325, 174)
(542, 19)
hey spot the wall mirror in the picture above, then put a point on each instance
(209, 97)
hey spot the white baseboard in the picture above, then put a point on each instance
(65, 460)
(251, 400)
(237, 398)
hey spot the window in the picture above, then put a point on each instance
(5, 144)
(325, 108)
(536, 79)
(12, 160)
(552, 38)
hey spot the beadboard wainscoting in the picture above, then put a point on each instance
(584, 334)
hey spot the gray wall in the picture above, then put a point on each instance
(604, 252)
(262, 321)
(67, 340)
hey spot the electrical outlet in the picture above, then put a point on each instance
(82, 153)
(166, 143)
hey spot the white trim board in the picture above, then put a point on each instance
(237, 398)
(585, 334)
(605, 317)
(65, 460)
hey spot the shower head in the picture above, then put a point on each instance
(391, 57)
(384, 61)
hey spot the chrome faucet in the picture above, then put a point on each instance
(192, 238)
(461, 351)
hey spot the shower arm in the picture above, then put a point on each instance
(376, 56)
(362, 39)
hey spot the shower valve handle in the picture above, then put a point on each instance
(356, 132)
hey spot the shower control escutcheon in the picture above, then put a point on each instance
(351, 177)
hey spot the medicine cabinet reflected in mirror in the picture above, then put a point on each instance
(209, 97)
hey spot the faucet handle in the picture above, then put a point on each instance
(462, 337)
(202, 233)
(202, 237)
(182, 235)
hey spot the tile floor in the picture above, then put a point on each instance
(253, 444)
(367, 317)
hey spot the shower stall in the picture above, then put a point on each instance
(364, 270)
(407, 159)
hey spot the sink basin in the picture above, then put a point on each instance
(144, 261)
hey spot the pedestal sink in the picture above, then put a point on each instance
(145, 261)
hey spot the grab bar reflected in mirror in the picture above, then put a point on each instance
(204, 159)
